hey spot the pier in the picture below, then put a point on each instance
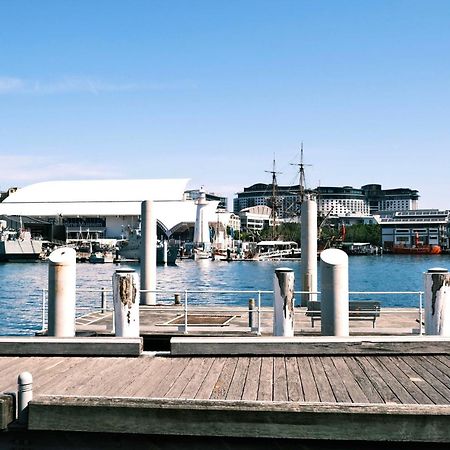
(306, 389)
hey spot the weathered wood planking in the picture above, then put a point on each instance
(356, 379)
(410, 423)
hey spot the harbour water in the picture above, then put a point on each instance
(21, 284)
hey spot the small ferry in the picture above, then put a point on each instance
(267, 250)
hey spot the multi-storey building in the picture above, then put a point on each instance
(331, 200)
(400, 199)
(260, 194)
(425, 226)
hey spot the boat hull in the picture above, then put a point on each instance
(419, 250)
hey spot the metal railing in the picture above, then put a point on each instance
(193, 298)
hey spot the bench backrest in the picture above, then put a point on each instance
(360, 305)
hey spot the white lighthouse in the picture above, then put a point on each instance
(202, 238)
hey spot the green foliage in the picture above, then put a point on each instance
(363, 233)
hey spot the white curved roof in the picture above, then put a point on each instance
(100, 191)
(106, 198)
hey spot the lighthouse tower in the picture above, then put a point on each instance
(201, 231)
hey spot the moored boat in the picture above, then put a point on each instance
(19, 246)
(417, 249)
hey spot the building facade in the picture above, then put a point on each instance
(331, 200)
(422, 226)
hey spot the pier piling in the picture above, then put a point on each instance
(148, 253)
(283, 302)
(437, 302)
(309, 250)
(334, 293)
(62, 292)
(126, 303)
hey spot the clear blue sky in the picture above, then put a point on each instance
(213, 90)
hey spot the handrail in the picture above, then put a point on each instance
(258, 309)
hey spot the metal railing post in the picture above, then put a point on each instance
(258, 332)
(420, 313)
(185, 312)
(43, 309)
(103, 300)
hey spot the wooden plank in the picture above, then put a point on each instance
(287, 420)
(149, 375)
(222, 385)
(136, 371)
(308, 384)
(377, 380)
(211, 378)
(8, 380)
(308, 345)
(50, 385)
(7, 413)
(114, 371)
(294, 383)
(98, 378)
(252, 381)
(444, 359)
(76, 346)
(183, 379)
(191, 389)
(265, 390)
(280, 393)
(364, 382)
(334, 377)
(354, 390)
(402, 394)
(433, 360)
(237, 383)
(437, 379)
(164, 384)
(423, 385)
(390, 363)
(323, 385)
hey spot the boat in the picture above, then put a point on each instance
(418, 248)
(18, 245)
(421, 249)
(130, 249)
(274, 250)
(101, 257)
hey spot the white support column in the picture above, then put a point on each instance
(308, 260)
(334, 293)
(126, 303)
(437, 302)
(61, 292)
(148, 253)
(283, 302)
(165, 251)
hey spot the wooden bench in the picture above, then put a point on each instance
(357, 310)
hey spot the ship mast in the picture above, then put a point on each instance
(301, 177)
(274, 197)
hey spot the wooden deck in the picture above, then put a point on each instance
(167, 320)
(353, 397)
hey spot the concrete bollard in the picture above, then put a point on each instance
(437, 302)
(283, 302)
(148, 253)
(24, 395)
(334, 293)
(62, 292)
(126, 303)
(308, 261)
